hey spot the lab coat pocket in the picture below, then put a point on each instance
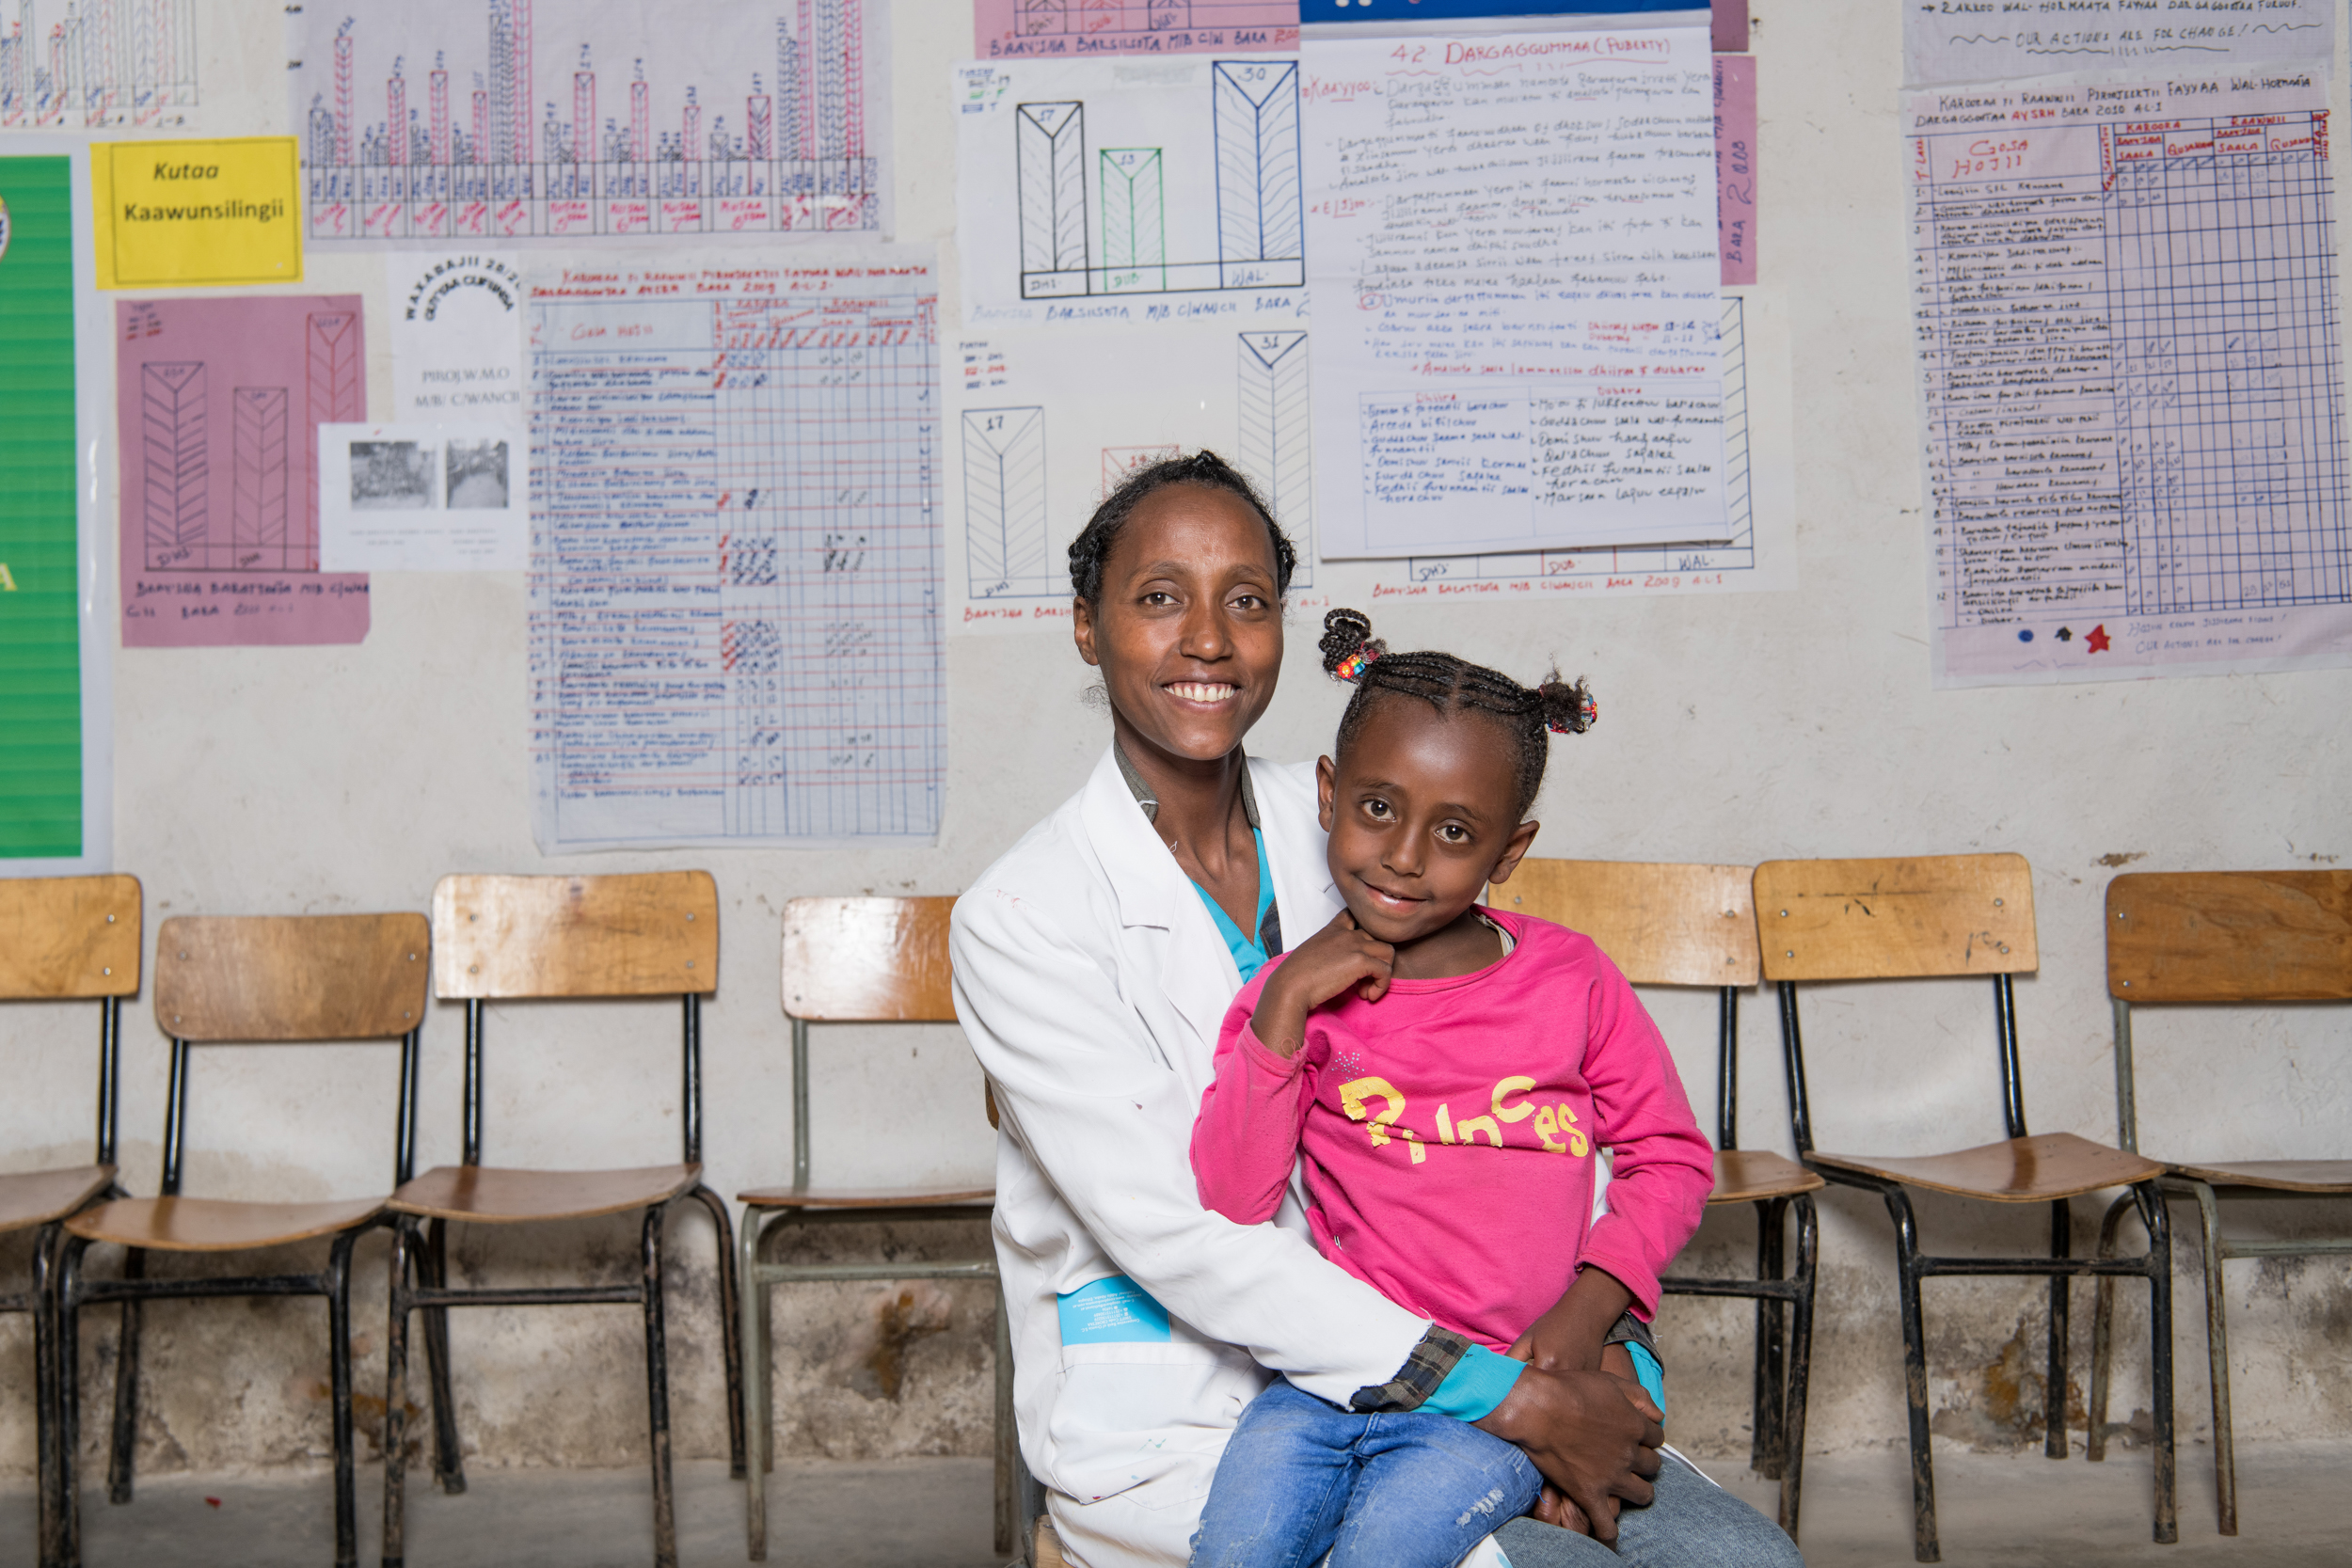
(1144, 1402)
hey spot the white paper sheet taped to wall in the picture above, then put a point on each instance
(735, 588)
(457, 339)
(1095, 193)
(588, 122)
(1038, 431)
(1512, 244)
(2131, 377)
(1975, 41)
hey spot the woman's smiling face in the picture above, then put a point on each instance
(1188, 633)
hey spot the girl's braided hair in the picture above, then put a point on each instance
(1093, 547)
(1451, 685)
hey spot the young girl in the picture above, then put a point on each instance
(1449, 1073)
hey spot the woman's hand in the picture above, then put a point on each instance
(1595, 1437)
(1324, 966)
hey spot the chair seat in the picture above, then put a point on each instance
(37, 1197)
(215, 1224)
(488, 1195)
(2039, 1169)
(868, 1198)
(2284, 1176)
(1750, 1175)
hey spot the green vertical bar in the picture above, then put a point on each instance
(40, 655)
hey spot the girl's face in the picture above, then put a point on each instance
(1423, 814)
(1188, 634)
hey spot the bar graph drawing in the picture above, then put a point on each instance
(518, 119)
(1008, 553)
(258, 484)
(1219, 208)
(173, 435)
(82, 64)
(1260, 219)
(1274, 419)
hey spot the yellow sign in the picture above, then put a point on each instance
(175, 212)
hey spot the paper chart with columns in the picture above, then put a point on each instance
(81, 65)
(1112, 192)
(582, 120)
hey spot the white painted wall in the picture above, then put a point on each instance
(317, 780)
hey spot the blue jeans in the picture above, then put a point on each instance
(1302, 1477)
(1692, 1523)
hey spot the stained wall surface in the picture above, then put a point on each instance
(1735, 729)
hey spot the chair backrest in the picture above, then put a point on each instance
(1902, 918)
(514, 938)
(860, 960)
(654, 933)
(286, 979)
(1662, 923)
(2222, 936)
(867, 961)
(1898, 919)
(2230, 936)
(66, 939)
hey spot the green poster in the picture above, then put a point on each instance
(41, 664)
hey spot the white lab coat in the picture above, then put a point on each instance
(1091, 981)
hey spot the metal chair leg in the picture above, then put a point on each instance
(2054, 1385)
(730, 1329)
(126, 1426)
(339, 1386)
(449, 1454)
(1768, 1443)
(1800, 1365)
(658, 1396)
(2152, 1214)
(44, 1389)
(396, 1398)
(2103, 1331)
(752, 1309)
(64, 1547)
(1007, 1484)
(1924, 1547)
(2218, 1355)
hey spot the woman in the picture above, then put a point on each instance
(1093, 964)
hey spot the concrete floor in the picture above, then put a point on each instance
(2022, 1511)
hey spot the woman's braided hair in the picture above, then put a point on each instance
(1451, 685)
(1091, 549)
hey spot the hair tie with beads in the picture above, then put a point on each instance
(1354, 664)
(1586, 712)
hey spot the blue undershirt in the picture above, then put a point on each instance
(1248, 956)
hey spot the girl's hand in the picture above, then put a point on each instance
(1324, 966)
(1568, 1338)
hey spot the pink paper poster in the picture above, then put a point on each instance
(1735, 166)
(217, 405)
(1051, 29)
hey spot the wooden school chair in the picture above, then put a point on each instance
(263, 980)
(65, 938)
(2221, 937)
(857, 961)
(1666, 925)
(568, 939)
(1918, 919)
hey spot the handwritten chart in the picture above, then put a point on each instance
(2130, 369)
(589, 119)
(1513, 244)
(1038, 436)
(1044, 29)
(77, 65)
(1114, 192)
(1973, 40)
(735, 579)
(219, 402)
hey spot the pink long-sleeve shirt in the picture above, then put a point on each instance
(1449, 1131)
